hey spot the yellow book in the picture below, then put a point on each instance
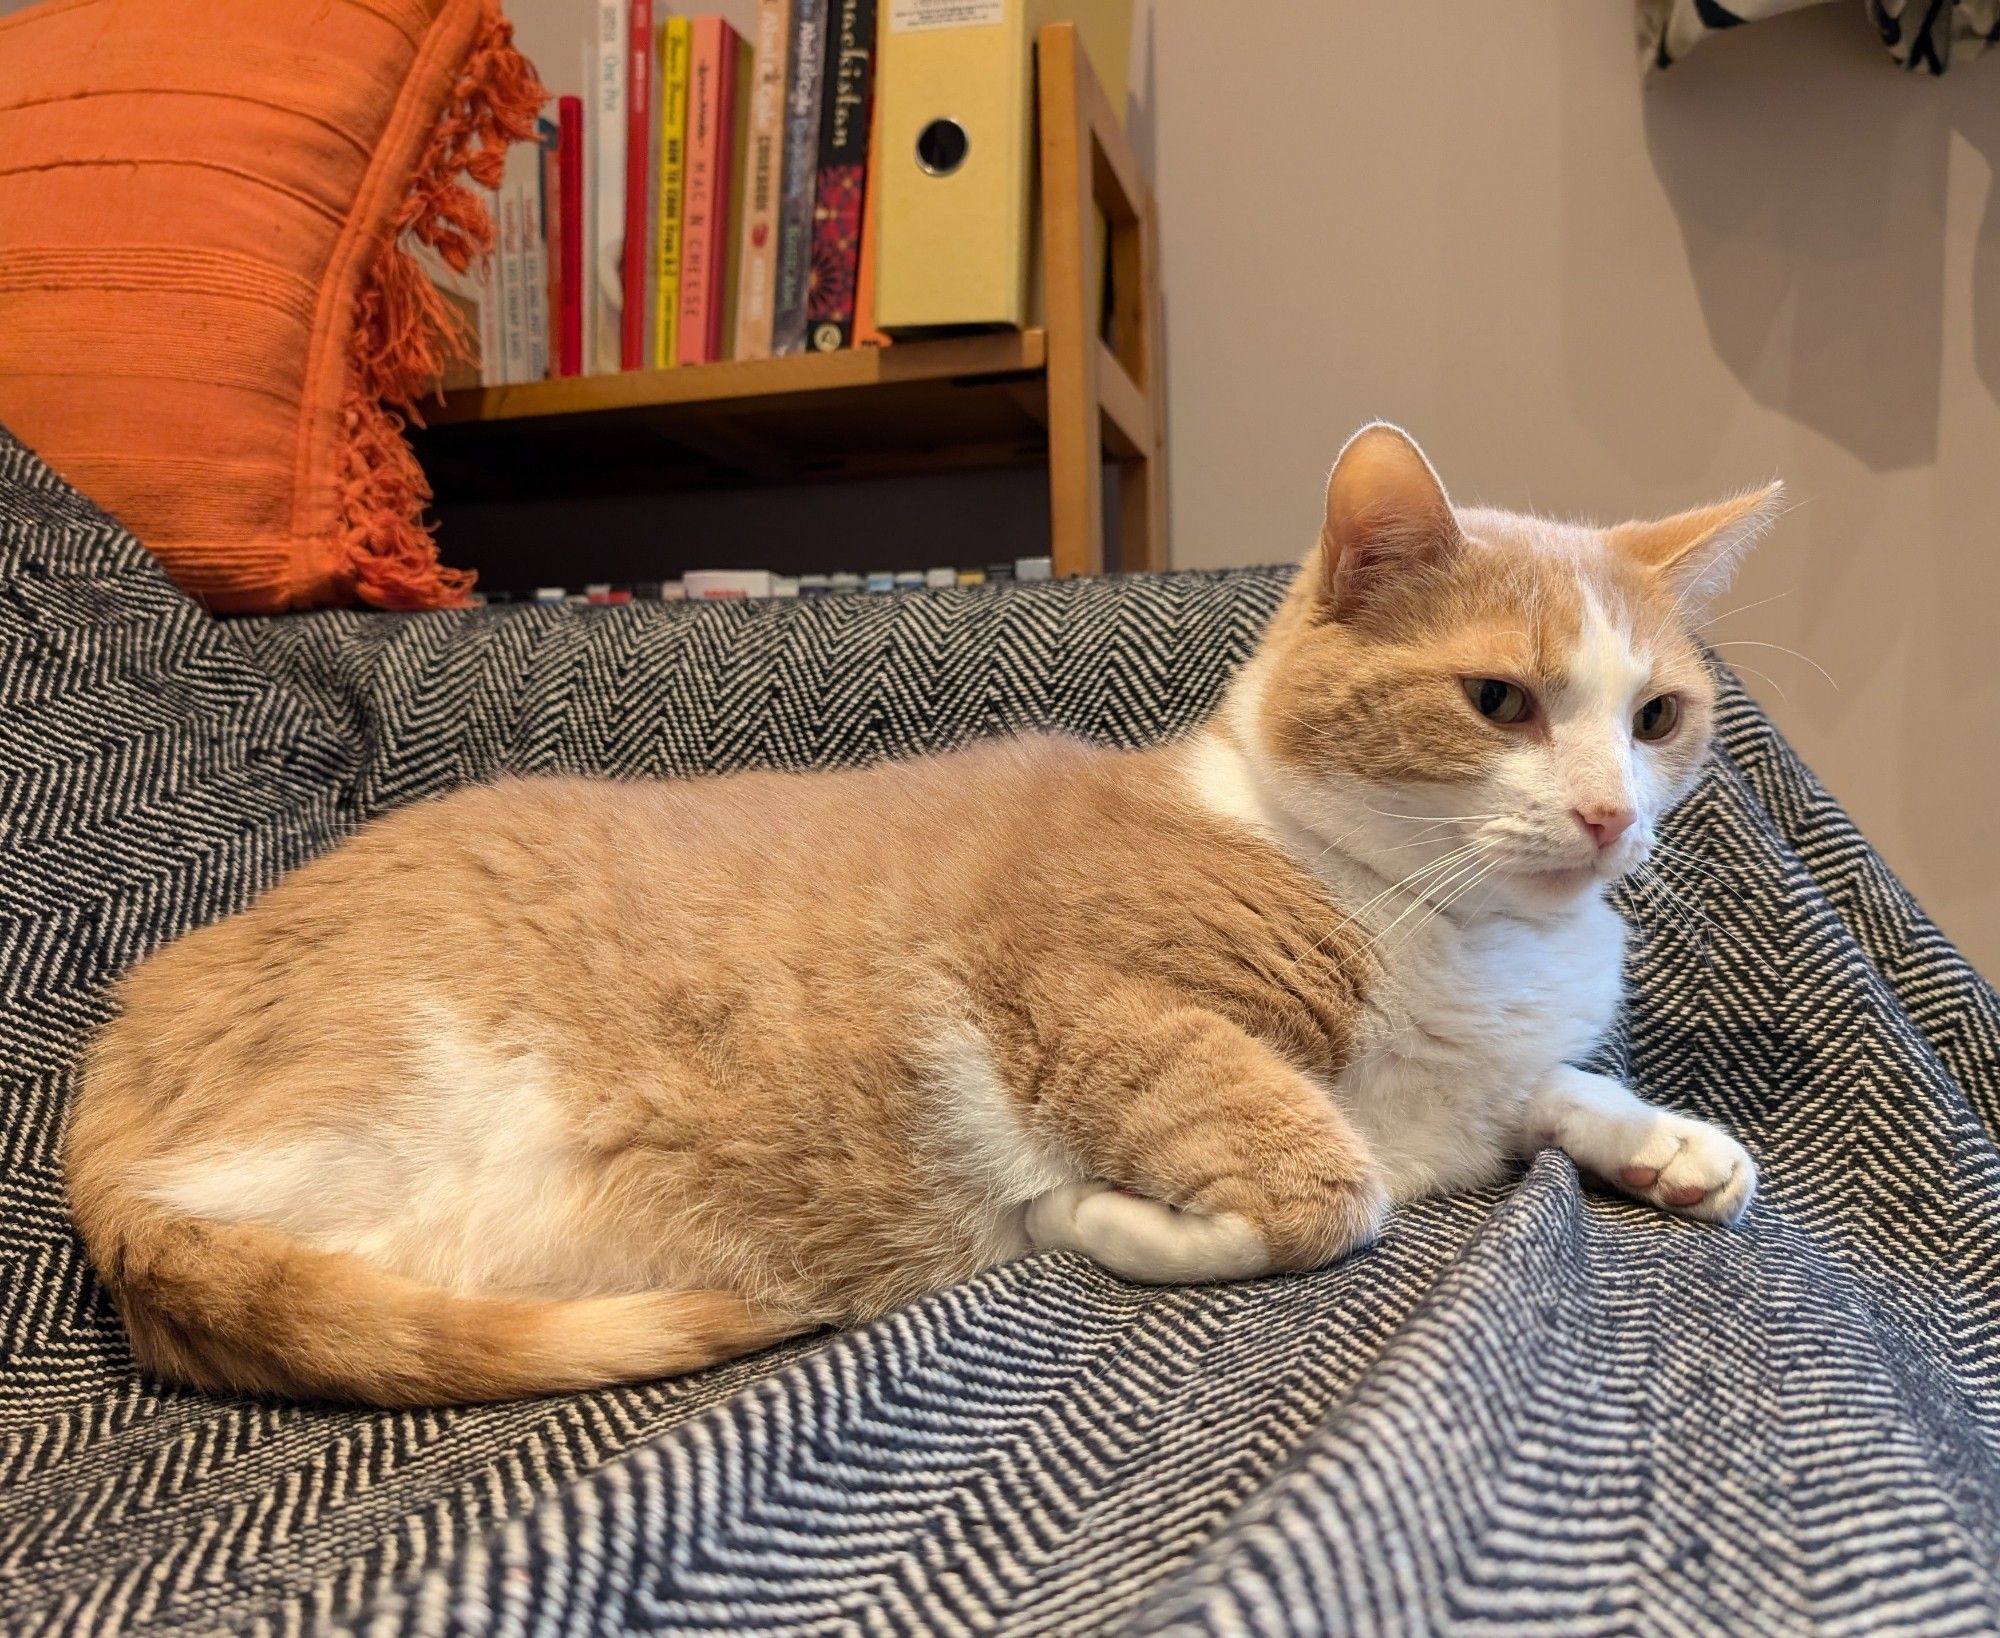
(676, 51)
(956, 84)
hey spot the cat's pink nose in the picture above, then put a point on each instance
(1605, 824)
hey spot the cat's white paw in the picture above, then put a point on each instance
(1143, 1239)
(1690, 1167)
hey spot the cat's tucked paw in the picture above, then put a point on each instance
(1690, 1167)
(1143, 1239)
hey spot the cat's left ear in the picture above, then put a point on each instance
(1697, 552)
(1387, 517)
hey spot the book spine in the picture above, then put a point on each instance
(795, 201)
(727, 117)
(608, 191)
(638, 182)
(842, 179)
(534, 282)
(675, 50)
(569, 236)
(699, 246)
(866, 332)
(545, 292)
(757, 272)
(513, 286)
(739, 172)
(492, 357)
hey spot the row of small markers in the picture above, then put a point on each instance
(704, 585)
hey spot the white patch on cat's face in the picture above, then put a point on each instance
(1584, 759)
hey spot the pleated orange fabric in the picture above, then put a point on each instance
(209, 319)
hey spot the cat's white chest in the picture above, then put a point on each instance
(1464, 1022)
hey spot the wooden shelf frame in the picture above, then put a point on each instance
(1064, 394)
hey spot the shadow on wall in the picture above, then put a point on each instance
(1808, 180)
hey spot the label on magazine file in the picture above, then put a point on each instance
(905, 15)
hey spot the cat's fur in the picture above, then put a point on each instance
(560, 1082)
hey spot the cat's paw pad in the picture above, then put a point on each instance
(1690, 1167)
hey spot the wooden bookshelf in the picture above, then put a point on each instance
(1066, 396)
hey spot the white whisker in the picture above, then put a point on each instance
(1744, 608)
(1745, 642)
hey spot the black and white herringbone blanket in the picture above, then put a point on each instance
(1538, 1407)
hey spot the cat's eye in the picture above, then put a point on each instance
(1506, 703)
(1657, 718)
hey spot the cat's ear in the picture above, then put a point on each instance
(1697, 552)
(1387, 516)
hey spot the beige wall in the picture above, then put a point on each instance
(1589, 297)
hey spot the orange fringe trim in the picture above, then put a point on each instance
(404, 333)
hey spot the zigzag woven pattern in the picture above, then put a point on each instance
(1537, 1407)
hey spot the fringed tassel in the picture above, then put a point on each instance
(404, 334)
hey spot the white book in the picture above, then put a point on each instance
(492, 361)
(651, 249)
(537, 262)
(607, 188)
(513, 288)
(711, 583)
(528, 270)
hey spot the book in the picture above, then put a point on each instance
(710, 147)
(676, 50)
(491, 299)
(764, 128)
(639, 130)
(546, 302)
(723, 583)
(570, 199)
(867, 333)
(739, 187)
(842, 179)
(607, 187)
(806, 71)
(513, 287)
(956, 82)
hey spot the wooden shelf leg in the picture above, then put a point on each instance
(1142, 482)
(1076, 450)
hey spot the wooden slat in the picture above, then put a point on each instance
(1004, 352)
(1128, 418)
(1076, 454)
(1142, 510)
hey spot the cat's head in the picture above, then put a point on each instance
(1528, 691)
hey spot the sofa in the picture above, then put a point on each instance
(1537, 1406)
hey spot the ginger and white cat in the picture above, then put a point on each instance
(480, 1104)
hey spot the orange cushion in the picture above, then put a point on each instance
(205, 296)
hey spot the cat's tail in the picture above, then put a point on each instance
(243, 1308)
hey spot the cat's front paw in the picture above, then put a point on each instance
(1690, 1167)
(1145, 1240)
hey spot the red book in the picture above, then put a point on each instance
(570, 205)
(711, 146)
(639, 184)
